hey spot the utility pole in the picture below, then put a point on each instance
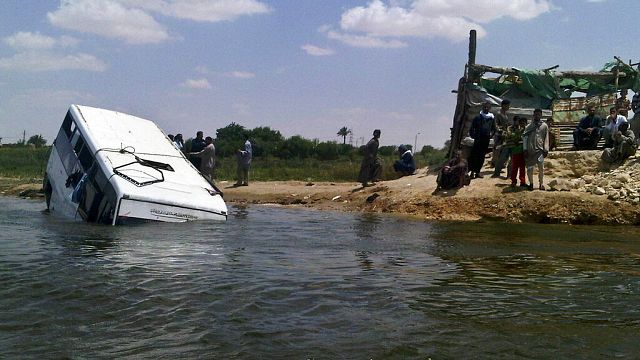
(24, 137)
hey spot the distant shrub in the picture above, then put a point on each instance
(23, 161)
(328, 151)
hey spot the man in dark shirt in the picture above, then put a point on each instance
(482, 129)
(635, 121)
(370, 167)
(197, 145)
(589, 130)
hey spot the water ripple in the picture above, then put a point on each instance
(274, 283)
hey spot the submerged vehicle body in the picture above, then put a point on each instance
(112, 168)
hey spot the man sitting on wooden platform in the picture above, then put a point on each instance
(611, 127)
(588, 132)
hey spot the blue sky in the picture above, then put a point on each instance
(303, 67)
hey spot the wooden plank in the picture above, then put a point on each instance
(566, 74)
(565, 137)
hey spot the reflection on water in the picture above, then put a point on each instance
(282, 283)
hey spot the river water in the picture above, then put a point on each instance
(295, 284)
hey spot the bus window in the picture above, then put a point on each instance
(76, 141)
(68, 125)
(72, 128)
(86, 158)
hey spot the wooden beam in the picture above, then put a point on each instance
(567, 74)
(472, 48)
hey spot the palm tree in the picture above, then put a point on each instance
(37, 141)
(344, 132)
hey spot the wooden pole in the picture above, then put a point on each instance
(459, 114)
(472, 47)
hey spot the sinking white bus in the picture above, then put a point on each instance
(112, 168)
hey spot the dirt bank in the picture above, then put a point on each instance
(484, 199)
(578, 192)
(29, 188)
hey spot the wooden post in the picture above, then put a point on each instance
(472, 47)
(459, 114)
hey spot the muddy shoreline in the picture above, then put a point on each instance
(486, 199)
(579, 191)
(520, 206)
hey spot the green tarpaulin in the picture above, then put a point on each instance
(548, 85)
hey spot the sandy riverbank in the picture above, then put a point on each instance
(484, 199)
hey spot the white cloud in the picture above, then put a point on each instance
(35, 41)
(201, 10)
(46, 61)
(131, 20)
(36, 52)
(451, 19)
(482, 10)
(316, 50)
(108, 18)
(201, 83)
(365, 41)
(29, 40)
(241, 74)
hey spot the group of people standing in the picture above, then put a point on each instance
(526, 144)
(202, 155)
(518, 145)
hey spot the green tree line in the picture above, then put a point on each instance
(275, 157)
(270, 143)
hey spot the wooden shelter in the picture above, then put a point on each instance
(562, 95)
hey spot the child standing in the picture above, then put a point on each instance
(517, 152)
